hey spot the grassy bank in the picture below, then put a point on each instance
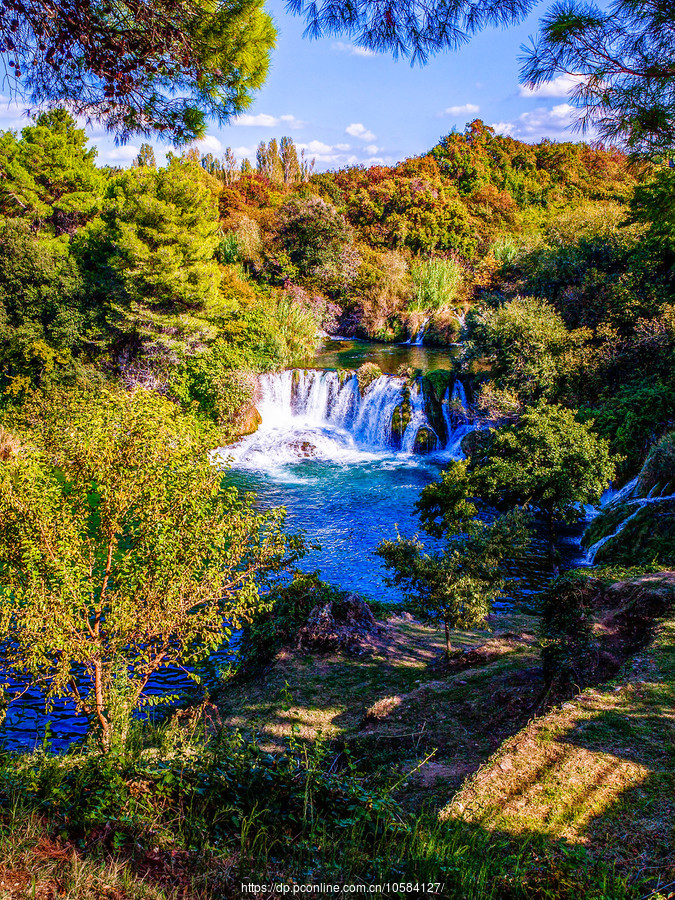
(380, 765)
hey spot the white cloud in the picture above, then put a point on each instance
(261, 120)
(467, 109)
(357, 130)
(555, 123)
(352, 50)
(209, 144)
(317, 147)
(125, 154)
(507, 128)
(264, 120)
(338, 154)
(244, 152)
(557, 87)
(14, 115)
(292, 122)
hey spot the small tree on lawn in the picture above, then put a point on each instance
(549, 462)
(122, 552)
(454, 587)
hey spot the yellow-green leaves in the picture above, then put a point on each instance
(121, 550)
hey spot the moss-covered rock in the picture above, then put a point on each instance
(250, 422)
(647, 538)
(367, 374)
(400, 418)
(639, 535)
(425, 441)
(606, 523)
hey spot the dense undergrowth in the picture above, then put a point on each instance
(192, 808)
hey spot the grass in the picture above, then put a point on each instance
(598, 772)
(36, 865)
(577, 804)
(393, 708)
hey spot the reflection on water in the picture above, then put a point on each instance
(350, 354)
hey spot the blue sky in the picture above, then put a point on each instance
(345, 106)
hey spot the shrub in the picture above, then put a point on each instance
(436, 283)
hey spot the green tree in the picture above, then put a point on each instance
(290, 164)
(268, 161)
(139, 66)
(455, 587)
(46, 318)
(549, 462)
(621, 56)
(407, 28)
(524, 343)
(122, 552)
(49, 175)
(146, 156)
(153, 246)
(653, 203)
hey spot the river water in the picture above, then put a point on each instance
(327, 452)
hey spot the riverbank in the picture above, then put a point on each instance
(323, 768)
(395, 707)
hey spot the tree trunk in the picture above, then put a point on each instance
(100, 706)
(553, 556)
(447, 640)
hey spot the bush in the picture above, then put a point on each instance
(436, 284)
(568, 647)
(366, 375)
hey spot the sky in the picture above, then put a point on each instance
(347, 106)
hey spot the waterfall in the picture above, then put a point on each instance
(592, 551)
(316, 414)
(624, 495)
(418, 340)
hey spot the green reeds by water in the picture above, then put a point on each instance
(436, 284)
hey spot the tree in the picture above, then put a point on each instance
(525, 343)
(455, 587)
(153, 246)
(46, 318)
(290, 164)
(318, 242)
(621, 57)
(549, 462)
(139, 67)
(407, 28)
(654, 204)
(268, 161)
(146, 156)
(49, 175)
(122, 552)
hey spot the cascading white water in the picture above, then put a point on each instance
(418, 340)
(310, 413)
(625, 495)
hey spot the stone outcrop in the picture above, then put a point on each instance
(339, 625)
